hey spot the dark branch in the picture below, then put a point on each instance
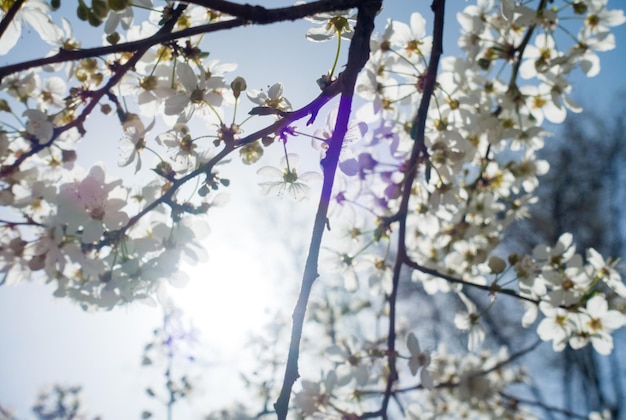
(418, 153)
(489, 288)
(244, 14)
(263, 16)
(357, 58)
(10, 15)
(160, 37)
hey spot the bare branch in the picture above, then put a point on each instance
(489, 288)
(9, 16)
(418, 152)
(262, 15)
(357, 57)
(244, 15)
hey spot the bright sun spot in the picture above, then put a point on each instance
(238, 291)
(248, 279)
(230, 296)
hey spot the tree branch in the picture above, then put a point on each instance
(161, 37)
(244, 14)
(418, 152)
(489, 288)
(357, 58)
(263, 16)
(9, 16)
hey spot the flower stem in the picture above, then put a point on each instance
(332, 70)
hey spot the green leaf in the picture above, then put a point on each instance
(263, 110)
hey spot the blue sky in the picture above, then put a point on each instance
(46, 340)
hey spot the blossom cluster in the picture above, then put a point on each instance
(477, 176)
(483, 131)
(86, 230)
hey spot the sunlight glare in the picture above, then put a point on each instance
(231, 295)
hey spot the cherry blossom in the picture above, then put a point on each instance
(606, 271)
(419, 361)
(347, 162)
(39, 125)
(203, 94)
(91, 206)
(599, 19)
(287, 179)
(334, 24)
(470, 321)
(133, 142)
(598, 323)
(36, 14)
(273, 98)
(315, 397)
(412, 38)
(351, 363)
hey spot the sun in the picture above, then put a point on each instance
(227, 299)
(242, 296)
(232, 295)
(251, 279)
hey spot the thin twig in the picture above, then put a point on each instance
(544, 406)
(489, 288)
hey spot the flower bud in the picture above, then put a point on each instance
(68, 156)
(496, 264)
(238, 85)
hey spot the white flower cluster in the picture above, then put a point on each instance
(470, 386)
(479, 172)
(80, 229)
(477, 175)
(573, 295)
